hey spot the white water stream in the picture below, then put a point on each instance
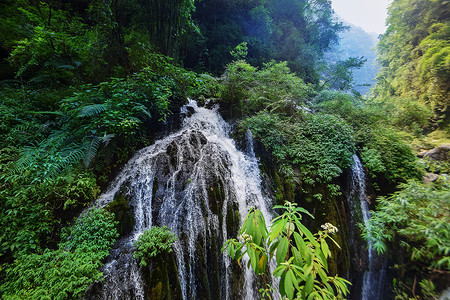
(170, 183)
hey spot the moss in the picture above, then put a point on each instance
(216, 196)
(119, 206)
(232, 221)
(162, 278)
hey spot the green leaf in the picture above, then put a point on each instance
(309, 285)
(288, 284)
(325, 249)
(282, 250)
(308, 235)
(253, 258)
(303, 249)
(276, 229)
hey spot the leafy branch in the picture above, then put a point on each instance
(301, 256)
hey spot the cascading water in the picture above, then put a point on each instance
(373, 285)
(199, 185)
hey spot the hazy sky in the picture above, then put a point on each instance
(370, 15)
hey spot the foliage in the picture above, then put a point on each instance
(355, 42)
(274, 87)
(414, 54)
(296, 31)
(301, 257)
(319, 146)
(64, 273)
(339, 76)
(415, 219)
(152, 242)
(382, 150)
(240, 52)
(392, 156)
(66, 141)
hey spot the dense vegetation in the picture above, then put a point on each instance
(86, 83)
(414, 55)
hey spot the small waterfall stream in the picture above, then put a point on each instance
(373, 286)
(197, 183)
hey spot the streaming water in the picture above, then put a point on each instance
(374, 280)
(197, 183)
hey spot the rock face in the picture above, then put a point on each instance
(440, 153)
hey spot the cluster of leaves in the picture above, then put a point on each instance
(296, 31)
(318, 145)
(71, 42)
(356, 43)
(64, 273)
(59, 145)
(154, 241)
(301, 257)
(272, 101)
(415, 219)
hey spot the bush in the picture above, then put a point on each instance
(301, 257)
(415, 219)
(319, 145)
(152, 242)
(249, 90)
(67, 272)
(382, 150)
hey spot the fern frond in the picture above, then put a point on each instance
(92, 110)
(67, 158)
(91, 150)
(93, 146)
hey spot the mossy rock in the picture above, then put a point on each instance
(121, 209)
(161, 278)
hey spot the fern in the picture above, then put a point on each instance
(93, 146)
(92, 110)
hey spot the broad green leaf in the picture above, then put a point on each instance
(276, 229)
(309, 235)
(282, 250)
(301, 209)
(303, 249)
(309, 285)
(325, 249)
(253, 259)
(289, 284)
(298, 260)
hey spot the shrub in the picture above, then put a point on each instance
(319, 145)
(416, 220)
(67, 272)
(152, 242)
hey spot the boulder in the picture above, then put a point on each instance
(440, 153)
(430, 177)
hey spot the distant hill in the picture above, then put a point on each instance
(355, 42)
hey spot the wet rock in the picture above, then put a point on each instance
(440, 153)
(190, 110)
(430, 177)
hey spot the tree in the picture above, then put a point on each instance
(414, 54)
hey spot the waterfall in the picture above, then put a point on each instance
(374, 282)
(196, 182)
